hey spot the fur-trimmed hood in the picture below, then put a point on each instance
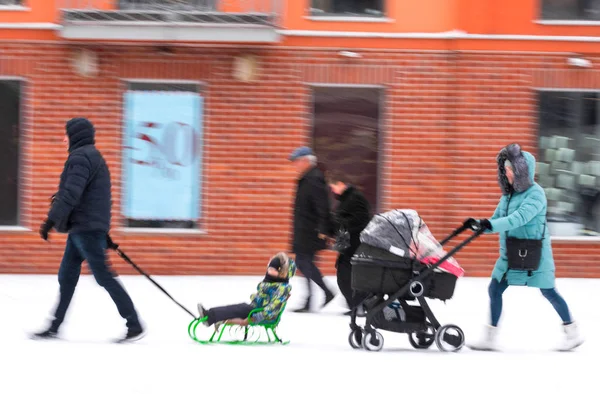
(523, 164)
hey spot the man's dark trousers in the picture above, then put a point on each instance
(306, 264)
(90, 246)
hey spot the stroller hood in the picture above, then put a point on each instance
(403, 233)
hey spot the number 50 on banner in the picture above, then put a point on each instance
(162, 155)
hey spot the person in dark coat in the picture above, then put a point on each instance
(352, 214)
(312, 221)
(81, 208)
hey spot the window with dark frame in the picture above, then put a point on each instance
(571, 10)
(569, 160)
(166, 223)
(348, 8)
(346, 125)
(10, 130)
(11, 2)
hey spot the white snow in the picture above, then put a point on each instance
(317, 359)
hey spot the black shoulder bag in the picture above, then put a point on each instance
(523, 254)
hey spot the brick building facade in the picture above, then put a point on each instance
(445, 111)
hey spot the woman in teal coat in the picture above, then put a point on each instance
(521, 213)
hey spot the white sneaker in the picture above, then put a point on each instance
(360, 311)
(572, 338)
(202, 313)
(488, 342)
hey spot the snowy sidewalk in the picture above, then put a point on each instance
(166, 361)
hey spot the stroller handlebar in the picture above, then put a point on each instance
(475, 227)
(477, 231)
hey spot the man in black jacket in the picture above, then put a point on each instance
(352, 214)
(81, 208)
(312, 222)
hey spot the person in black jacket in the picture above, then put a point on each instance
(352, 214)
(312, 221)
(81, 208)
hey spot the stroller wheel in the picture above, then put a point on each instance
(355, 339)
(423, 339)
(450, 338)
(373, 342)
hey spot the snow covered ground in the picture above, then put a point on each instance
(317, 359)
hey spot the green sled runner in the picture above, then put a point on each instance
(252, 334)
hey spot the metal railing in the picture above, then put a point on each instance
(263, 12)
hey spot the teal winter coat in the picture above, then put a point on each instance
(521, 213)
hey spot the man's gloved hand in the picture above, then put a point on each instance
(45, 228)
(110, 244)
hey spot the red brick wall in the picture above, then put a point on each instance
(446, 116)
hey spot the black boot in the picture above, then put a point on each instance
(135, 331)
(305, 308)
(133, 334)
(329, 296)
(50, 333)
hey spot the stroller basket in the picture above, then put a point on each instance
(411, 319)
(378, 271)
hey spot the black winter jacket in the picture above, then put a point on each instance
(83, 201)
(353, 213)
(311, 213)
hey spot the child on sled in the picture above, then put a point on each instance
(272, 294)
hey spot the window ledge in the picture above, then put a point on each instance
(14, 229)
(566, 22)
(333, 18)
(576, 238)
(14, 8)
(29, 26)
(167, 231)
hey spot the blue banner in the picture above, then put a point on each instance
(162, 155)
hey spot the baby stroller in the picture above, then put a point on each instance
(400, 261)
